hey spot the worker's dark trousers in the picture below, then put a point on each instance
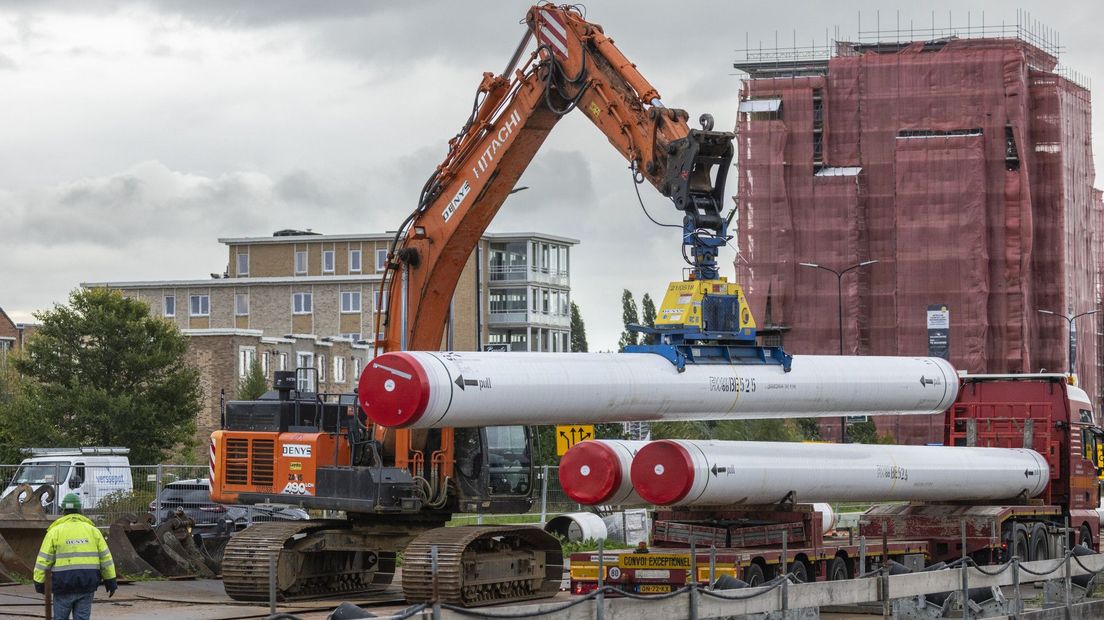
(79, 604)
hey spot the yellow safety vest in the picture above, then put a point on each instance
(74, 545)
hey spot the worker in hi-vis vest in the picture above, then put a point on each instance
(77, 553)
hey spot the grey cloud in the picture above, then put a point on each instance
(150, 201)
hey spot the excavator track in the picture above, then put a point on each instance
(482, 565)
(314, 559)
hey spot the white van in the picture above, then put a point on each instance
(91, 473)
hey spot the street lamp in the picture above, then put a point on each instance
(1070, 318)
(839, 299)
(839, 289)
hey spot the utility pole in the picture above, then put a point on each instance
(1071, 356)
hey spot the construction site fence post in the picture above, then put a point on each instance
(1067, 578)
(55, 509)
(965, 574)
(544, 494)
(158, 479)
(272, 583)
(600, 600)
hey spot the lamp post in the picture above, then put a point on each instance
(839, 299)
(1070, 318)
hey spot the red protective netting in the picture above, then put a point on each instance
(975, 191)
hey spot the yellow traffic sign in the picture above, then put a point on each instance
(567, 436)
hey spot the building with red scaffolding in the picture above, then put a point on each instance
(963, 166)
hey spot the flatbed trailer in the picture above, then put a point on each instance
(754, 543)
(664, 570)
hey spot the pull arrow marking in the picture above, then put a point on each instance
(461, 382)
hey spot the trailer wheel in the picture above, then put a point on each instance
(1084, 537)
(1020, 547)
(838, 570)
(753, 575)
(800, 571)
(1039, 543)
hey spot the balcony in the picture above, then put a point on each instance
(528, 318)
(521, 273)
(508, 273)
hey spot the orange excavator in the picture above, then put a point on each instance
(398, 487)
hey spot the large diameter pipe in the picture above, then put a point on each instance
(597, 472)
(421, 389)
(679, 472)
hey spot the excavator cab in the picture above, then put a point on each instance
(494, 468)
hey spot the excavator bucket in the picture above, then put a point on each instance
(23, 525)
(167, 549)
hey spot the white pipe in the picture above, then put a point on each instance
(712, 473)
(597, 472)
(576, 526)
(421, 389)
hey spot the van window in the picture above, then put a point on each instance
(78, 476)
(41, 472)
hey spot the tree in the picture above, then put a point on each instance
(253, 385)
(866, 432)
(628, 315)
(578, 331)
(103, 372)
(770, 429)
(648, 313)
(809, 428)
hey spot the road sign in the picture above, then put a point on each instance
(567, 436)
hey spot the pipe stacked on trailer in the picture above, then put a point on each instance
(421, 389)
(597, 472)
(678, 472)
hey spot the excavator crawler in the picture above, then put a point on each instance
(398, 487)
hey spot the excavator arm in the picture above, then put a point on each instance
(574, 66)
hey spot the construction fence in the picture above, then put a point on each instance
(110, 492)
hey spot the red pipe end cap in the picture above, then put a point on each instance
(590, 473)
(662, 472)
(393, 390)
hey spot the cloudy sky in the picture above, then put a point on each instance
(133, 134)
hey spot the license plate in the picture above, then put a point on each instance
(653, 589)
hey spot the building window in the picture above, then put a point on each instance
(381, 260)
(507, 300)
(5, 348)
(265, 365)
(382, 298)
(170, 306)
(356, 369)
(354, 336)
(241, 304)
(200, 305)
(304, 364)
(246, 357)
(534, 294)
(300, 262)
(243, 264)
(350, 302)
(563, 261)
(546, 301)
(339, 369)
(301, 303)
(328, 261)
(354, 261)
(544, 258)
(282, 361)
(321, 368)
